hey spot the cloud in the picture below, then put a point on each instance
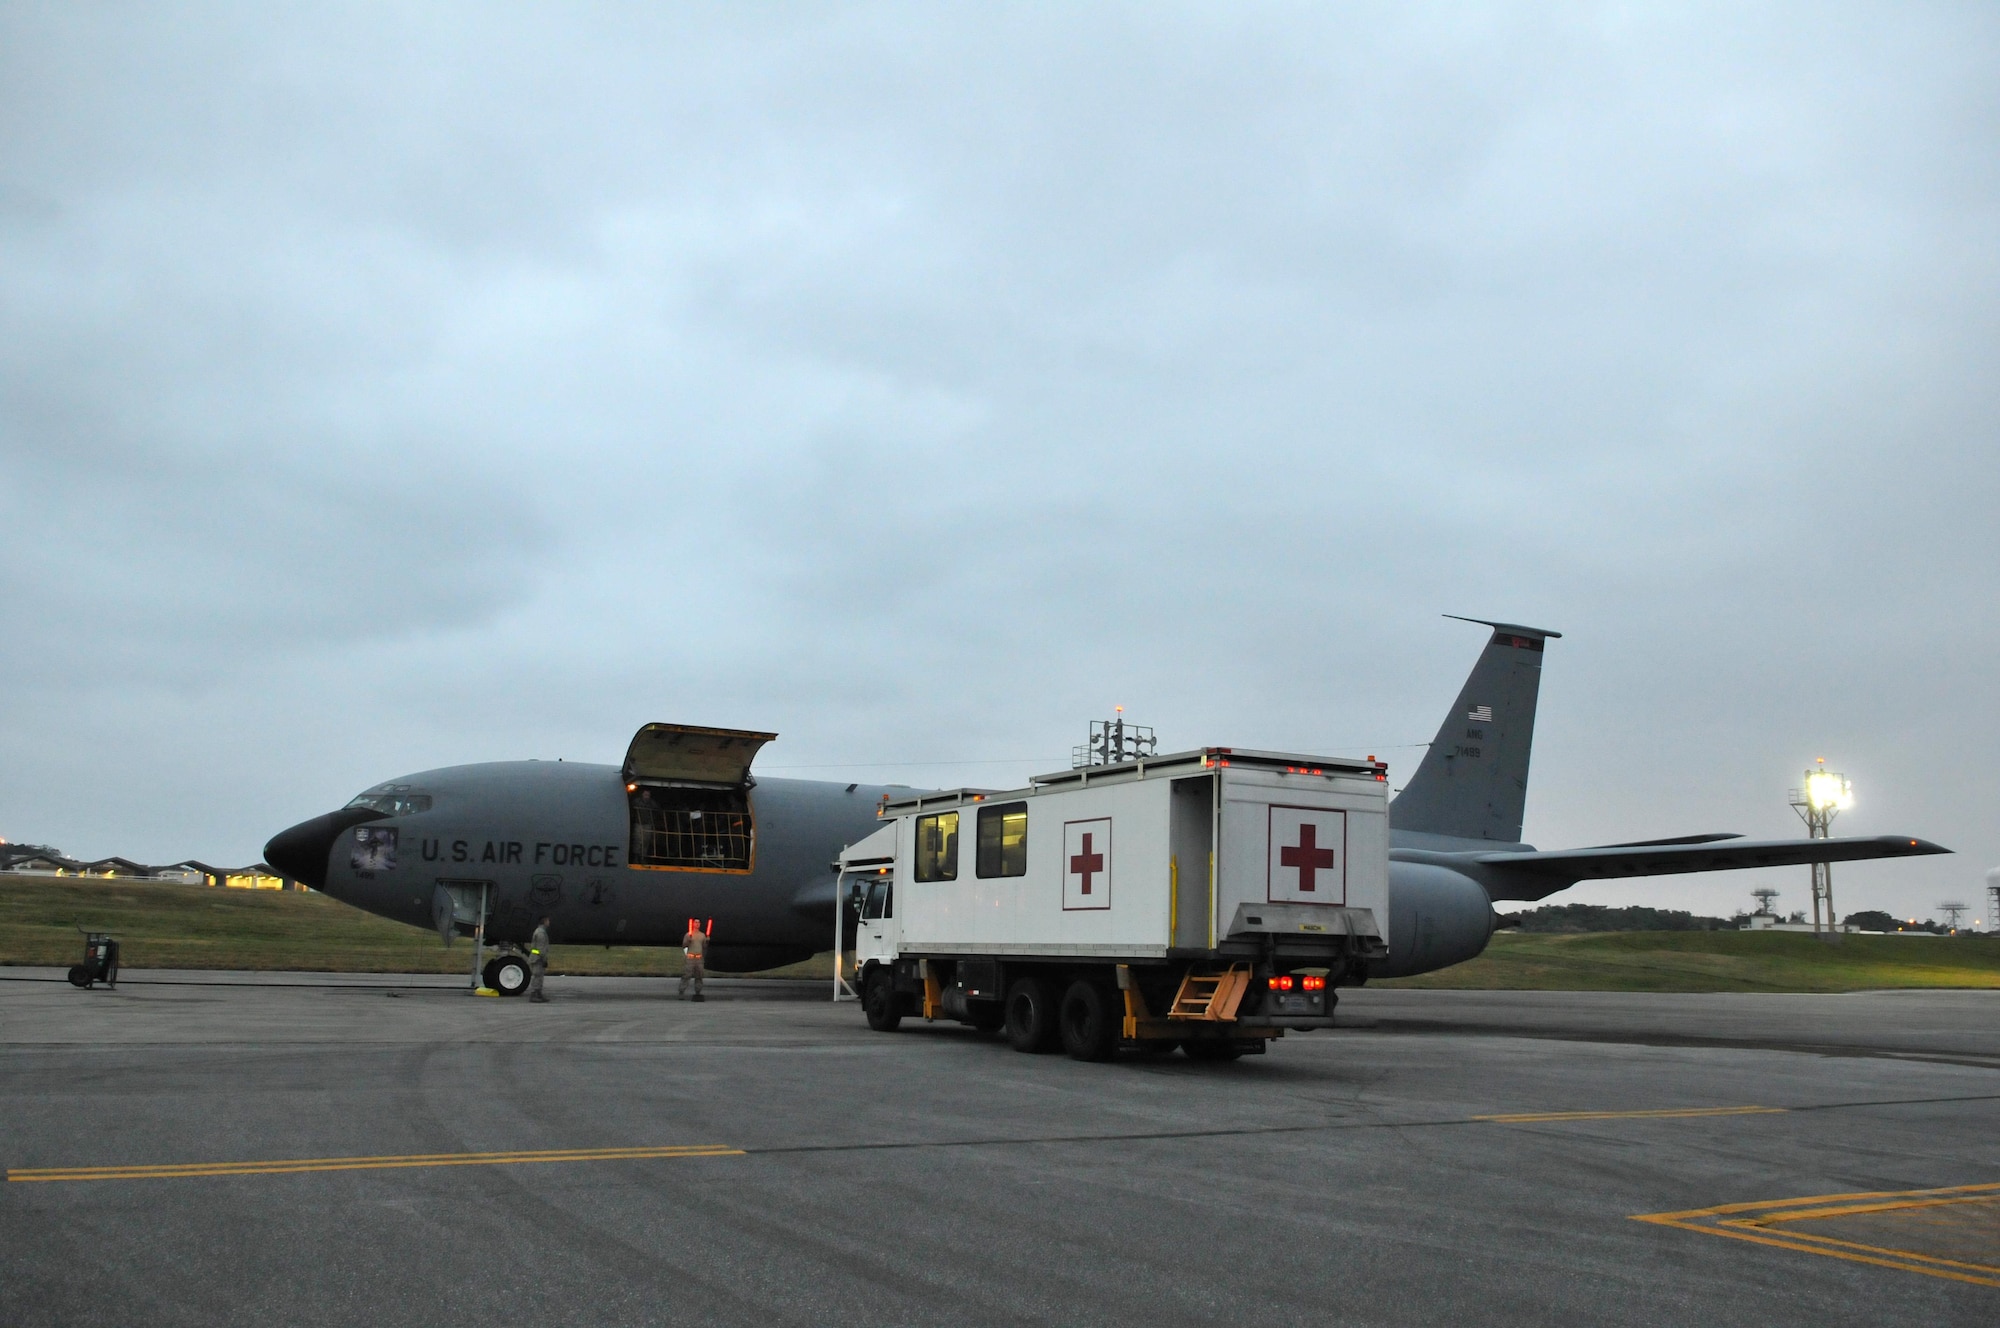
(390, 387)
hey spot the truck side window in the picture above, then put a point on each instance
(877, 904)
(1003, 840)
(937, 847)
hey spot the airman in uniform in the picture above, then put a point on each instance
(693, 945)
(538, 960)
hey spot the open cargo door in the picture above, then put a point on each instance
(689, 793)
(688, 754)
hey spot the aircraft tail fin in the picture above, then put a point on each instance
(1473, 782)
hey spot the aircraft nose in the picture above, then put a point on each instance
(302, 851)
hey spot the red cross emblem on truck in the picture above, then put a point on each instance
(1089, 873)
(1306, 855)
(1086, 864)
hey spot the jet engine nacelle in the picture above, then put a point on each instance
(1437, 918)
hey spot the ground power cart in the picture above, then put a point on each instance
(1209, 900)
(100, 962)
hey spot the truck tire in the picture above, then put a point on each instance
(1089, 1025)
(508, 975)
(879, 1002)
(1031, 1016)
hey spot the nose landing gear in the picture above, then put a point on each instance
(507, 974)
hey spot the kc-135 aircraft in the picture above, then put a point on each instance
(626, 855)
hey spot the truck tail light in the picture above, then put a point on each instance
(1283, 982)
(1312, 983)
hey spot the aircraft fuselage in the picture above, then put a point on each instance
(554, 838)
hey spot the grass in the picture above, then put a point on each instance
(192, 926)
(1719, 961)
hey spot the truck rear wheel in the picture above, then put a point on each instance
(1031, 1016)
(879, 1002)
(1089, 1030)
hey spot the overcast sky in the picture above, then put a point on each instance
(393, 387)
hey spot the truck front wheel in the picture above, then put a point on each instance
(885, 1012)
(1031, 1016)
(1089, 1029)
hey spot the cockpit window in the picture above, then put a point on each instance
(400, 800)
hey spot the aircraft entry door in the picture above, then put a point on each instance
(464, 905)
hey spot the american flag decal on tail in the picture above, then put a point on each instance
(1480, 714)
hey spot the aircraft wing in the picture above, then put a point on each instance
(1537, 875)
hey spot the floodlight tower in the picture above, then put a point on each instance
(1952, 913)
(1993, 899)
(1823, 796)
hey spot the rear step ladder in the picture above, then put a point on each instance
(1211, 997)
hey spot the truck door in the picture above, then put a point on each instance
(1191, 866)
(878, 922)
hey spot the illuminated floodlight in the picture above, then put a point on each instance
(1826, 791)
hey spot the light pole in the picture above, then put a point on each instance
(1823, 796)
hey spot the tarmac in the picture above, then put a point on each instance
(320, 1149)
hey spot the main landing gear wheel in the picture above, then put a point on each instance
(507, 975)
(878, 1000)
(1089, 1028)
(1031, 1016)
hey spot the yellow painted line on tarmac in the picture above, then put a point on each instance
(294, 1166)
(1664, 1113)
(1758, 1223)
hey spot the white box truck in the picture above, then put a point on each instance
(1209, 900)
